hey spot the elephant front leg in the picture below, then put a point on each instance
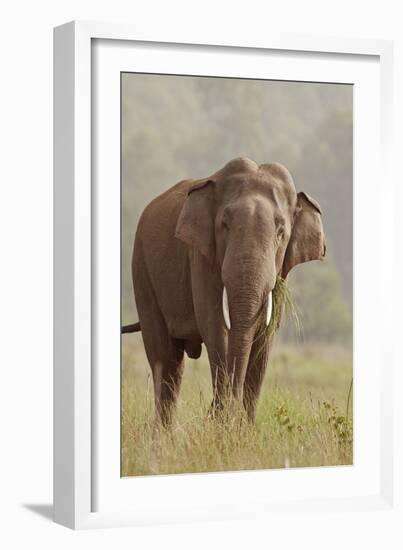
(217, 353)
(219, 382)
(255, 373)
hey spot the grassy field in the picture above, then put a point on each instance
(304, 416)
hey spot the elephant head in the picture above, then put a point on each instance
(252, 226)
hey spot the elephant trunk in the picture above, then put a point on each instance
(246, 297)
(226, 313)
(239, 348)
(242, 310)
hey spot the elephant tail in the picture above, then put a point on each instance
(135, 327)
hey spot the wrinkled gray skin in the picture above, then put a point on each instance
(241, 227)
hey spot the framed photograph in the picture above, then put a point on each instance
(221, 344)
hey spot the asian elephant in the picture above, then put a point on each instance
(206, 258)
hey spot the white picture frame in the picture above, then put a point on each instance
(87, 491)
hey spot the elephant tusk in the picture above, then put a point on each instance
(269, 308)
(225, 309)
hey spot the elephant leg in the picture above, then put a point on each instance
(165, 354)
(216, 346)
(257, 365)
(167, 371)
(218, 378)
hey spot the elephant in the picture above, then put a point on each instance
(206, 258)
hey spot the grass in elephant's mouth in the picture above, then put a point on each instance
(301, 421)
(283, 299)
(283, 304)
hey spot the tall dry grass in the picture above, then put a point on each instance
(304, 416)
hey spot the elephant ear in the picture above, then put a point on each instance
(307, 240)
(195, 224)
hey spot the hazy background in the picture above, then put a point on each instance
(176, 127)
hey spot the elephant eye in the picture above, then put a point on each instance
(280, 234)
(225, 221)
(227, 217)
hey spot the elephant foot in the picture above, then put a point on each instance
(229, 410)
(215, 409)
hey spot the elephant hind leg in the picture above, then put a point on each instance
(167, 372)
(164, 353)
